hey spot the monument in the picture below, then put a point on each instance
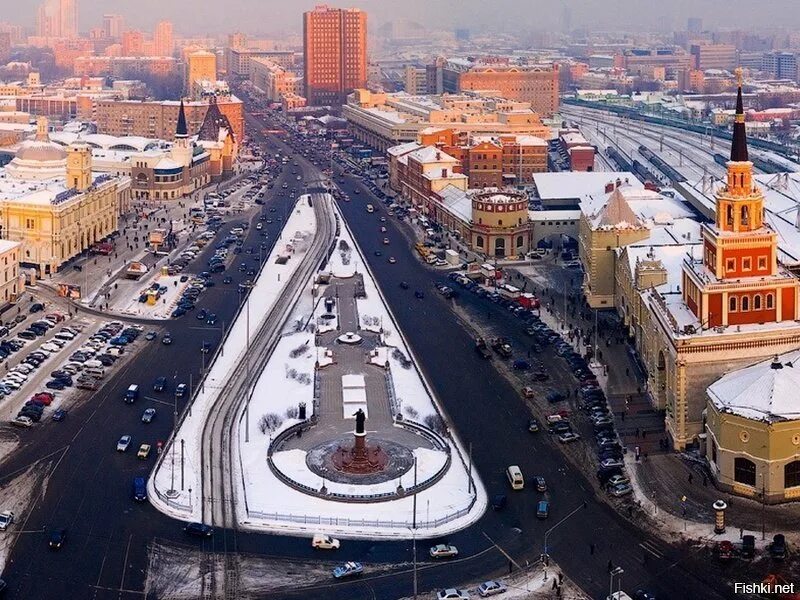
(361, 458)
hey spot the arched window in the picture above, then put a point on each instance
(729, 214)
(732, 304)
(770, 301)
(479, 241)
(744, 471)
(791, 474)
(745, 302)
(745, 217)
(520, 241)
(500, 222)
(757, 302)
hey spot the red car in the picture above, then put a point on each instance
(45, 398)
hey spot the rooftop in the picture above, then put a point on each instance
(579, 185)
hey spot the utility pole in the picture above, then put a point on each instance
(469, 482)
(182, 463)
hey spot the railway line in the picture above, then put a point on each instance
(218, 454)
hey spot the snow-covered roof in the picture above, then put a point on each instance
(401, 149)
(766, 391)
(431, 154)
(578, 185)
(457, 202)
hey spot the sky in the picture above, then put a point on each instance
(271, 16)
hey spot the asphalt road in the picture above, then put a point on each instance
(106, 556)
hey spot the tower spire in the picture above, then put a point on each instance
(739, 143)
(181, 131)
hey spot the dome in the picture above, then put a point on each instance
(41, 152)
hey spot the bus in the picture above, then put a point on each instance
(370, 208)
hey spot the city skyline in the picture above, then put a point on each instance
(274, 16)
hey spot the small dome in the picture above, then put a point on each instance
(41, 152)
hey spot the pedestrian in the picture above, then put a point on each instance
(637, 433)
(691, 478)
(591, 549)
(623, 415)
(644, 433)
(627, 372)
(610, 566)
(560, 578)
(555, 584)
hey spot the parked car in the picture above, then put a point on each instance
(6, 518)
(777, 549)
(59, 415)
(322, 541)
(199, 529)
(348, 569)
(543, 509)
(452, 594)
(491, 588)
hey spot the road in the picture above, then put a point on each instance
(106, 554)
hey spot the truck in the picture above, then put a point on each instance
(482, 349)
(502, 347)
(131, 394)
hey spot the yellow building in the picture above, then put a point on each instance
(61, 211)
(200, 66)
(753, 430)
(11, 285)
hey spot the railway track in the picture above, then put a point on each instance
(219, 489)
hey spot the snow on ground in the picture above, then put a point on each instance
(344, 260)
(128, 303)
(268, 287)
(15, 496)
(273, 506)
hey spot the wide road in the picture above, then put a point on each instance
(106, 554)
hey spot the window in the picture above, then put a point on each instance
(730, 264)
(745, 302)
(747, 264)
(745, 217)
(791, 474)
(744, 471)
(770, 301)
(479, 241)
(519, 241)
(30, 223)
(757, 302)
(762, 263)
(732, 304)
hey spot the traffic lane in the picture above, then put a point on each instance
(467, 418)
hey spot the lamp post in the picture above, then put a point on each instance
(545, 555)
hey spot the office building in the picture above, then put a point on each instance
(57, 19)
(335, 53)
(113, 26)
(714, 56)
(163, 44)
(200, 66)
(132, 43)
(780, 65)
(274, 81)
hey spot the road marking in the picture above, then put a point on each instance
(124, 564)
(649, 547)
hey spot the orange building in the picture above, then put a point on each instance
(132, 43)
(66, 51)
(335, 48)
(537, 85)
(739, 282)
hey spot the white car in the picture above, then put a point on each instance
(10, 383)
(491, 588)
(321, 541)
(22, 421)
(443, 551)
(452, 594)
(16, 375)
(123, 443)
(6, 518)
(23, 368)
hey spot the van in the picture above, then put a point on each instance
(132, 393)
(98, 372)
(515, 477)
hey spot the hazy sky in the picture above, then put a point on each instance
(265, 16)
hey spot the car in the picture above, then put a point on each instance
(37, 307)
(385, 241)
(621, 489)
(160, 384)
(643, 595)
(392, 260)
(404, 285)
(144, 452)
(180, 390)
(418, 294)
(611, 463)
(55, 384)
(6, 518)
(205, 347)
(59, 415)
(452, 594)
(198, 529)
(151, 335)
(227, 279)
(212, 319)
(542, 509)
(541, 484)
(148, 415)
(777, 549)
(201, 315)
(748, 546)
(521, 365)
(499, 501)
(166, 339)
(348, 569)
(57, 538)
(123, 443)
(568, 436)
(533, 425)
(322, 541)
(443, 551)
(491, 588)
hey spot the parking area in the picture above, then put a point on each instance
(45, 372)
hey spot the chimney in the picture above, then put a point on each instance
(619, 181)
(438, 155)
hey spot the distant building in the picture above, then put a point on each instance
(200, 66)
(132, 43)
(643, 61)
(781, 65)
(239, 59)
(714, 56)
(113, 26)
(335, 54)
(694, 25)
(57, 19)
(163, 44)
(273, 80)
(416, 81)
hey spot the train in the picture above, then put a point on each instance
(633, 114)
(763, 164)
(661, 165)
(643, 173)
(623, 164)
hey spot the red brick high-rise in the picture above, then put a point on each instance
(335, 48)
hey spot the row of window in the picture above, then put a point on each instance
(747, 264)
(744, 471)
(744, 303)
